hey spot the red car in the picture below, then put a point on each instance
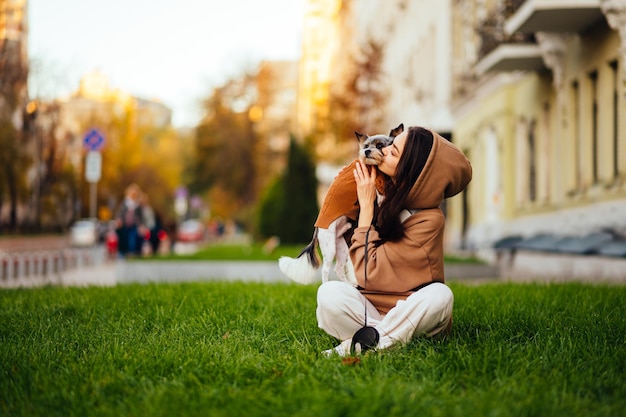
(191, 231)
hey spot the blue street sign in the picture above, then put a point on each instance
(93, 140)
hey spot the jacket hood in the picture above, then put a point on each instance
(446, 173)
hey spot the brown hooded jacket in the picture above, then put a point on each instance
(396, 269)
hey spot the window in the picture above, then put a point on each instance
(532, 162)
(593, 77)
(615, 146)
(576, 135)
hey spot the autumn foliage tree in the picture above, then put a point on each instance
(14, 160)
(357, 99)
(56, 186)
(14, 163)
(142, 154)
(224, 166)
(135, 150)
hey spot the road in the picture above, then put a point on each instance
(33, 243)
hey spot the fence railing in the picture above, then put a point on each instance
(49, 265)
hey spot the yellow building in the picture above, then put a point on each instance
(320, 43)
(411, 80)
(95, 104)
(13, 59)
(533, 91)
(539, 101)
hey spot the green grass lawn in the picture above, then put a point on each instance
(256, 252)
(236, 349)
(237, 252)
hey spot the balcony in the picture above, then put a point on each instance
(512, 57)
(531, 16)
(500, 51)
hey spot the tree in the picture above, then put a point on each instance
(134, 151)
(358, 102)
(55, 187)
(269, 222)
(14, 163)
(224, 164)
(273, 113)
(299, 207)
(13, 157)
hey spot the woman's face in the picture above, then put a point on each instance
(391, 155)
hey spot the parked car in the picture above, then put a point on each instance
(191, 231)
(84, 232)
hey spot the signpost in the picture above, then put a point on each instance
(180, 201)
(93, 166)
(93, 141)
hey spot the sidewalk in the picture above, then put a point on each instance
(120, 272)
(115, 272)
(179, 271)
(104, 275)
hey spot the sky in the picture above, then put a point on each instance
(174, 51)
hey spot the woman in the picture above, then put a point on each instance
(397, 251)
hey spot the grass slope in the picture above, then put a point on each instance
(233, 349)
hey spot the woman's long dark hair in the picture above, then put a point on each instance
(417, 147)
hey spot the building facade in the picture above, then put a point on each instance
(533, 91)
(320, 43)
(13, 59)
(540, 105)
(16, 143)
(414, 79)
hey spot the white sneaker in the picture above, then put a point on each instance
(342, 349)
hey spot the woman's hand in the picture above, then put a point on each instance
(365, 178)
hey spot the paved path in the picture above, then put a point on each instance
(113, 272)
(179, 271)
(101, 275)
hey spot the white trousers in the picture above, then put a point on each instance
(341, 312)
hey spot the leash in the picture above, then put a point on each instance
(366, 337)
(367, 235)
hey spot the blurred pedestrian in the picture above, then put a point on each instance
(157, 233)
(147, 230)
(129, 220)
(111, 240)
